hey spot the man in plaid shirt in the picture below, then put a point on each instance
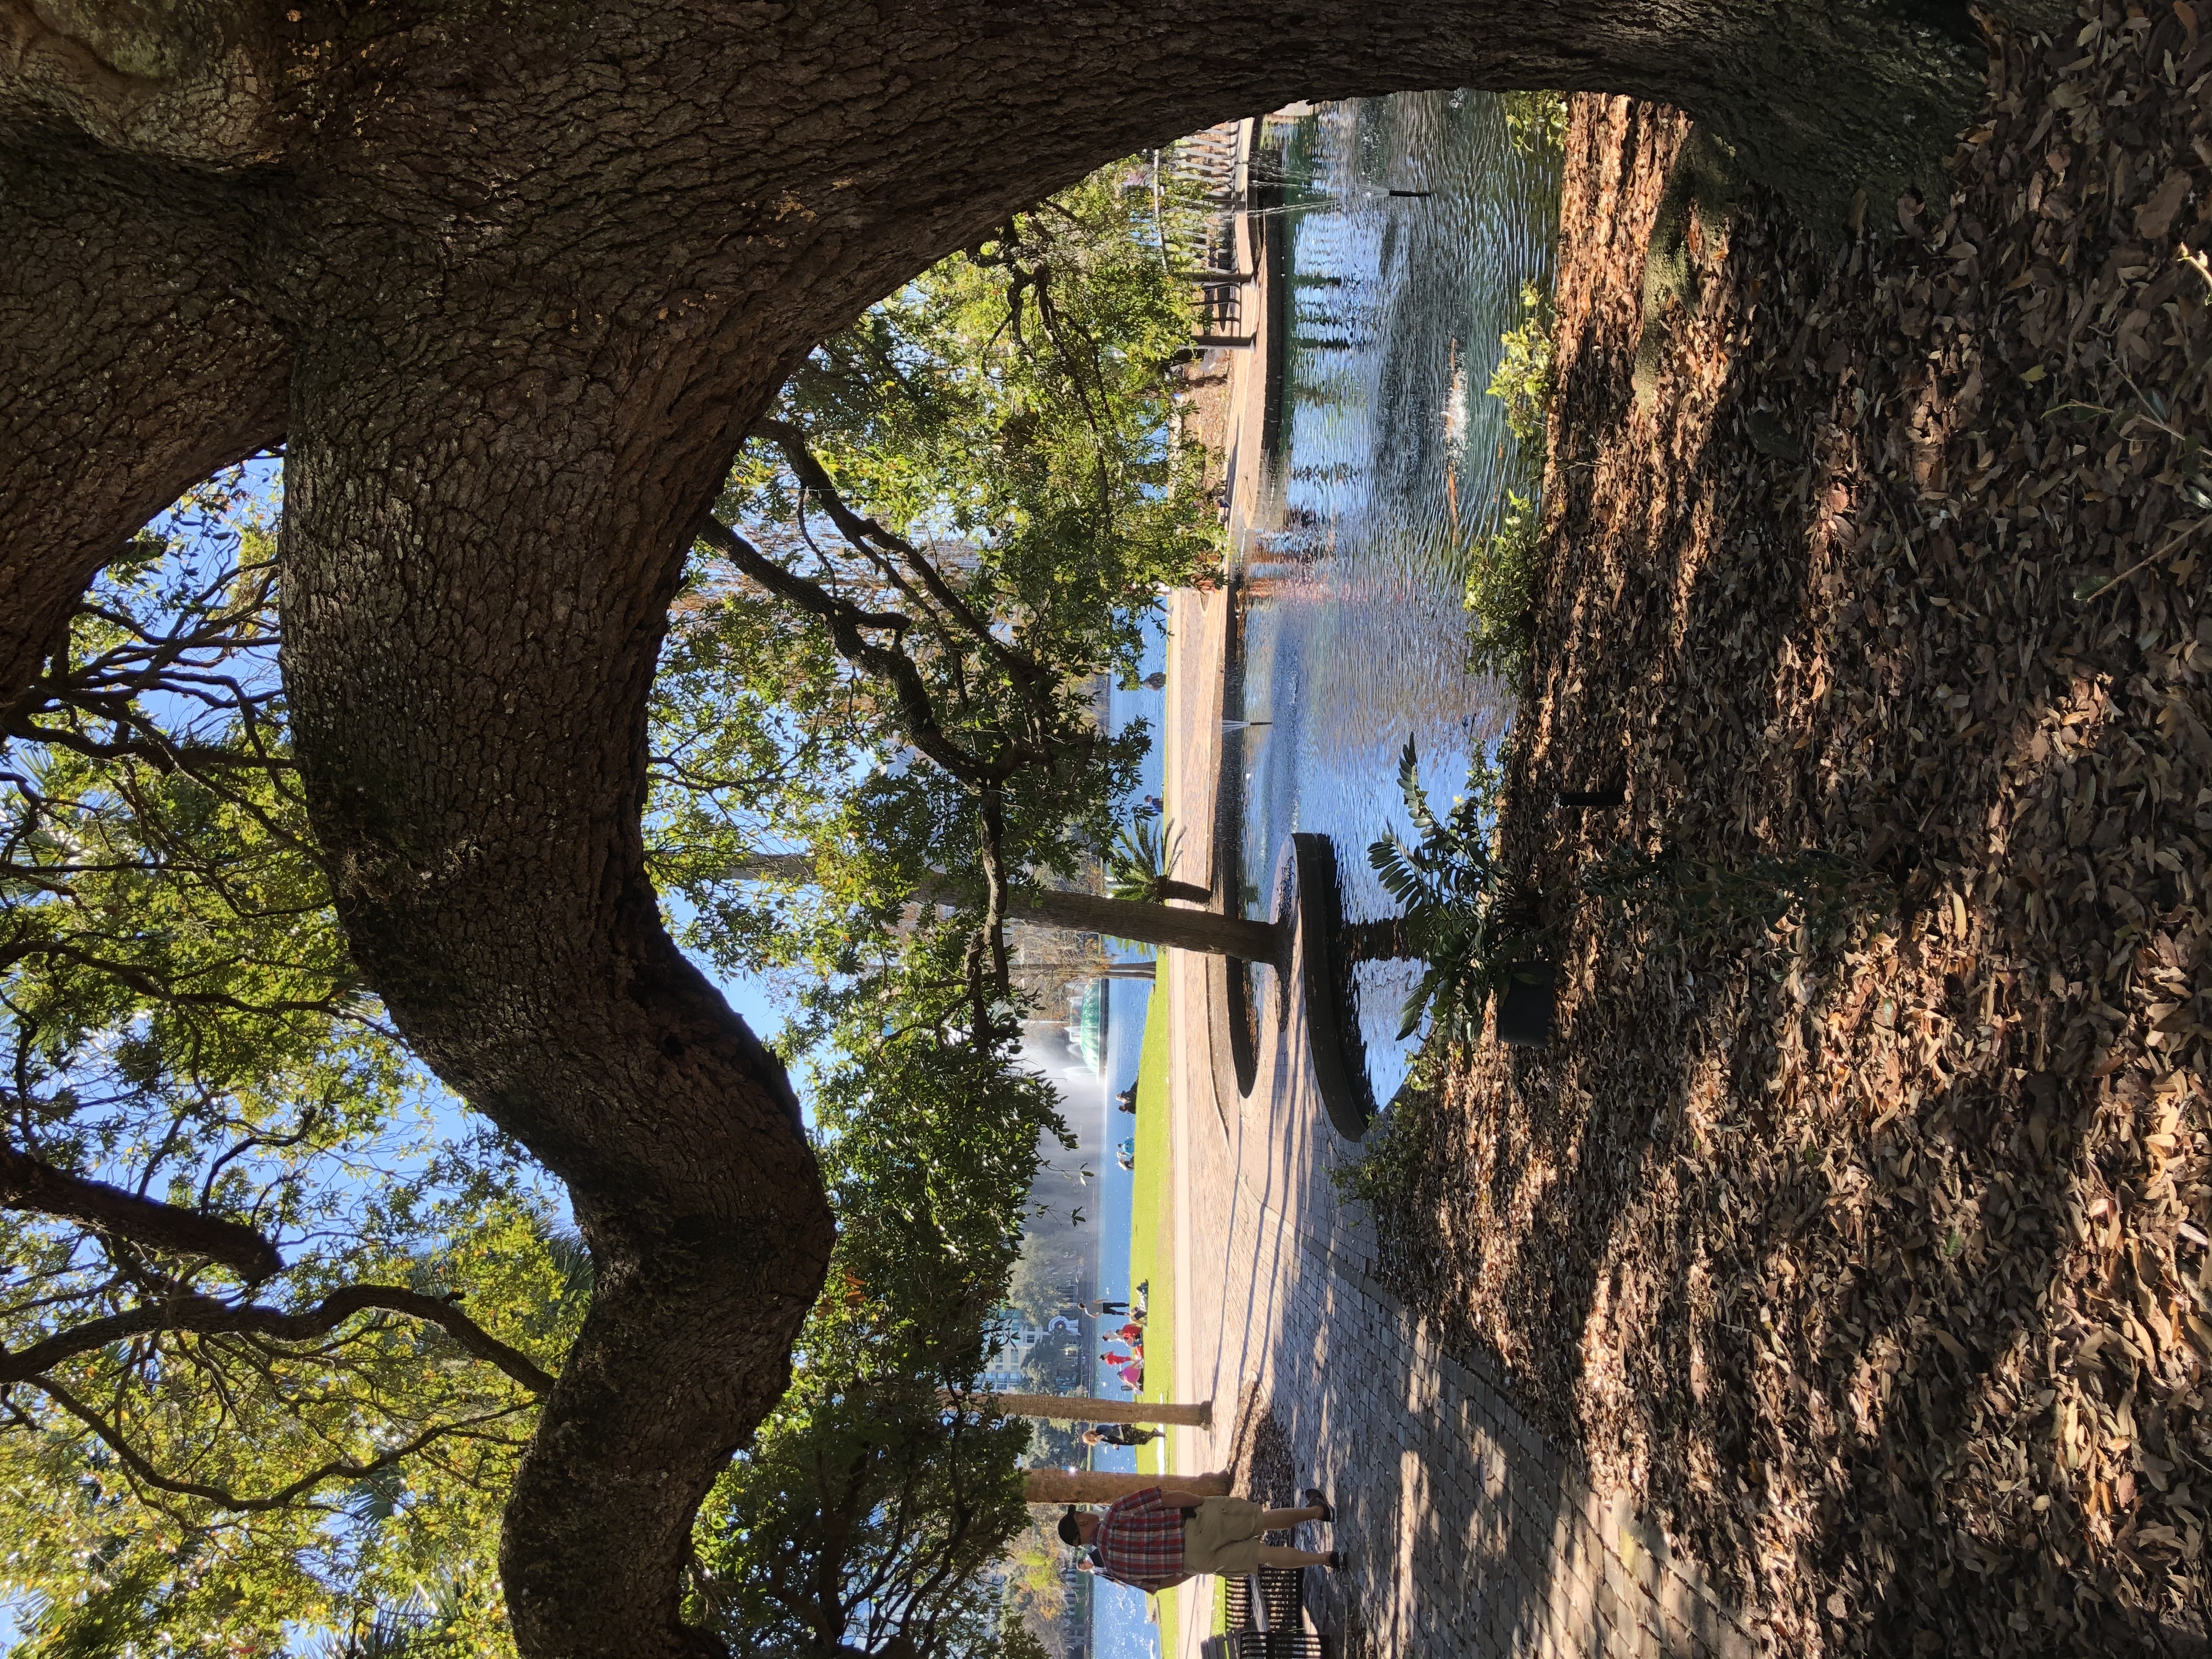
(1157, 1537)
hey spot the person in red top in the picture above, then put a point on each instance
(1157, 1537)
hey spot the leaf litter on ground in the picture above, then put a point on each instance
(1873, 1260)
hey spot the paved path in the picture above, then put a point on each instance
(1470, 1534)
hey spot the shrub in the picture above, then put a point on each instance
(1501, 571)
(1536, 122)
(1403, 1177)
(1523, 379)
(1387, 1176)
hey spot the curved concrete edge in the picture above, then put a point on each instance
(1339, 1061)
(1232, 1030)
(1229, 1033)
(1201, 771)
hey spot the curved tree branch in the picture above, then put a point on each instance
(1032, 677)
(152, 988)
(136, 365)
(341, 1468)
(206, 1316)
(26, 1183)
(846, 620)
(161, 756)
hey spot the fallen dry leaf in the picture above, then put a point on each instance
(2155, 217)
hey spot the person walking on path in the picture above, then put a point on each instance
(1101, 1307)
(1160, 1536)
(1120, 1434)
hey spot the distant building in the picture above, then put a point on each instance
(1012, 1337)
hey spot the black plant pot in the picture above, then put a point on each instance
(1524, 1007)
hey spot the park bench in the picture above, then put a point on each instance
(1266, 1619)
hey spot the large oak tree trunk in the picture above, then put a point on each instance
(134, 367)
(475, 764)
(518, 282)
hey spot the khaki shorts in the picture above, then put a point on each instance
(1223, 1537)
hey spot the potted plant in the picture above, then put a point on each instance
(1525, 1004)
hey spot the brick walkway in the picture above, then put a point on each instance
(1469, 1534)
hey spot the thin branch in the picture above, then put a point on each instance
(147, 984)
(308, 1123)
(206, 1316)
(992, 814)
(815, 478)
(337, 1469)
(846, 620)
(161, 756)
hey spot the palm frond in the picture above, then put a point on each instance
(1140, 858)
(1467, 921)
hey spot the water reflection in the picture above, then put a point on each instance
(1393, 459)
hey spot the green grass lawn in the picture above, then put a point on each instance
(1152, 1242)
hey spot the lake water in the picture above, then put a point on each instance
(1393, 459)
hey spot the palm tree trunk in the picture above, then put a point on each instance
(1091, 1487)
(1092, 1408)
(1206, 933)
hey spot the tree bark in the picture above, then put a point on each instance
(1090, 1408)
(475, 764)
(518, 279)
(1091, 1487)
(134, 367)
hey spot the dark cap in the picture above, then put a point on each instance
(1068, 1535)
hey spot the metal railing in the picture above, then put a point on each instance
(1198, 187)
